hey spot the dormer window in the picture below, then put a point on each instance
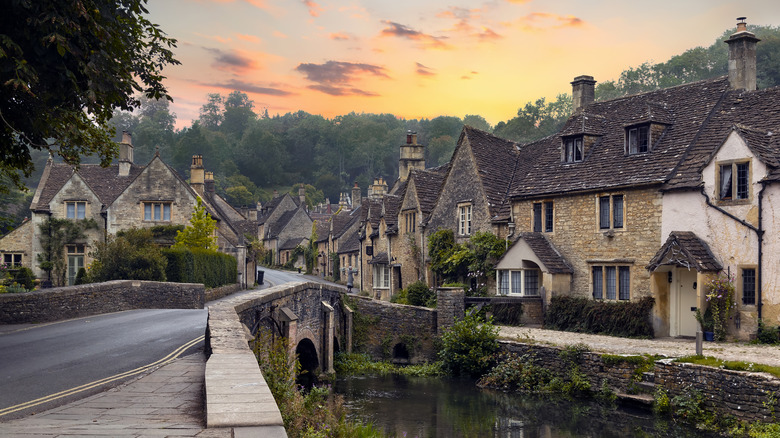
(734, 181)
(637, 139)
(572, 149)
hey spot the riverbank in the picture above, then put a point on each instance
(669, 347)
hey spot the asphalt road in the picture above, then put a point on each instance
(46, 365)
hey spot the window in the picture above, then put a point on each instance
(411, 221)
(382, 276)
(12, 260)
(637, 140)
(521, 282)
(75, 261)
(464, 219)
(75, 209)
(157, 211)
(572, 149)
(543, 217)
(732, 187)
(611, 282)
(749, 286)
(611, 212)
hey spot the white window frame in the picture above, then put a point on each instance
(506, 280)
(76, 254)
(464, 219)
(633, 135)
(76, 209)
(381, 277)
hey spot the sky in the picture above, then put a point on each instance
(424, 58)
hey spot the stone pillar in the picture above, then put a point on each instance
(450, 307)
(289, 329)
(327, 345)
(348, 328)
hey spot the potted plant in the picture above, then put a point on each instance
(707, 323)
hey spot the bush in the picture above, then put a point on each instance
(418, 294)
(130, 255)
(627, 319)
(24, 276)
(767, 334)
(211, 268)
(469, 347)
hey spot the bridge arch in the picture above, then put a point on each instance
(307, 355)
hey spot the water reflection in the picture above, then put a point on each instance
(424, 407)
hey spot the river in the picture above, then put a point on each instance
(428, 407)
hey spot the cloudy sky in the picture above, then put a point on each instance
(423, 58)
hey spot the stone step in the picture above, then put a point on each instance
(638, 400)
(646, 387)
(648, 376)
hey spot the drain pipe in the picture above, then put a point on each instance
(759, 234)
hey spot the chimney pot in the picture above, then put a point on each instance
(742, 58)
(583, 91)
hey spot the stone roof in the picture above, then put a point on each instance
(427, 185)
(323, 230)
(552, 259)
(605, 164)
(391, 207)
(344, 221)
(352, 244)
(755, 115)
(685, 249)
(292, 243)
(275, 228)
(379, 259)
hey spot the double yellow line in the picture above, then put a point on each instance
(164, 361)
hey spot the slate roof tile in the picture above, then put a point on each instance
(686, 249)
(549, 255)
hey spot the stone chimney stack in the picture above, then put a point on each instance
(302, 194)
(583, 92)
(356, 201)
(125, 154)
(412, 156)
(742, 58)
(197, 174)
(378, 189)
(209, 183)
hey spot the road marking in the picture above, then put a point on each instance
(164, 361)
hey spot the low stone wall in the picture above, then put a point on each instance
(378, 327)
(60, 303)
(748, 396)
(222, 291)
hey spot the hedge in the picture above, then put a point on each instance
(211, 268)
(627, 319)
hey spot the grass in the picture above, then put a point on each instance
(357, 363)
(735, 365)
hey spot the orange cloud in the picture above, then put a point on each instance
(232, 61)
(248, 38)
(340, 36)
(425, 40)
(314, 8)
(336, 77)
(248, 88)
(537, 20)
(423, 70)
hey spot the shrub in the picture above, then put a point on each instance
(418, 294)
(766, 333)
(211, 268)
(131, 255)
(401, 297)
(628, 319)
(24, 276)
(469, 347)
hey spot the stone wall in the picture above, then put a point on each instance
(379, 327)
(60, 303)
(19, 241)
(745, 395)
(450, 306)
(223, 291)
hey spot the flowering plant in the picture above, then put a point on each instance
(720, 296)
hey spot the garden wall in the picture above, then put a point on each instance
(46, 305)
(222, 291)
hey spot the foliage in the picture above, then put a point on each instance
(335, 262)
(361, 363)
(24, 277)
(311, 252)
(131, 255)
(211, 268)
(705, 319)
(720, 296)
(440, 246)
(201, 233)
(736, 365)
(401, 297)
(64, 68)
(361, 323)
(506, 313)
(316, 413)
(767, 334)
(163, 234)
(419, 294)
(536, 119)
(516, 372)
(628, 319)
(469, 346)
(476, 259)
(55, 234)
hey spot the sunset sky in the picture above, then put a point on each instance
(426, 58)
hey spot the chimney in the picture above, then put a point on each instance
(253, 213)
(742, 58)
(125, 154)
(209, 182)
(378, 189)
(197, 174)
(302, 194)
(356, 201)
(583, 92)
(412, 156)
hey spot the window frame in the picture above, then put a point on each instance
(155, 214)
(381, 276)
(740, 188)
(507, 281)
(611, 212)
(636, 133)
(410, 218)
(543, 216)
(570, 147)
(79, 209)
(13, 264)
(618, 288)
(464, 219)
(742, 285)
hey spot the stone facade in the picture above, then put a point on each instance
(69, 302)
(18, 243)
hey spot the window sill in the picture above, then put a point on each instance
(731, 202)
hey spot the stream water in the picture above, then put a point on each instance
(427, 407)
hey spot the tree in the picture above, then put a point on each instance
(64, 68)
(201, 231)
(130, 255)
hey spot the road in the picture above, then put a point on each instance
(43, 366)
